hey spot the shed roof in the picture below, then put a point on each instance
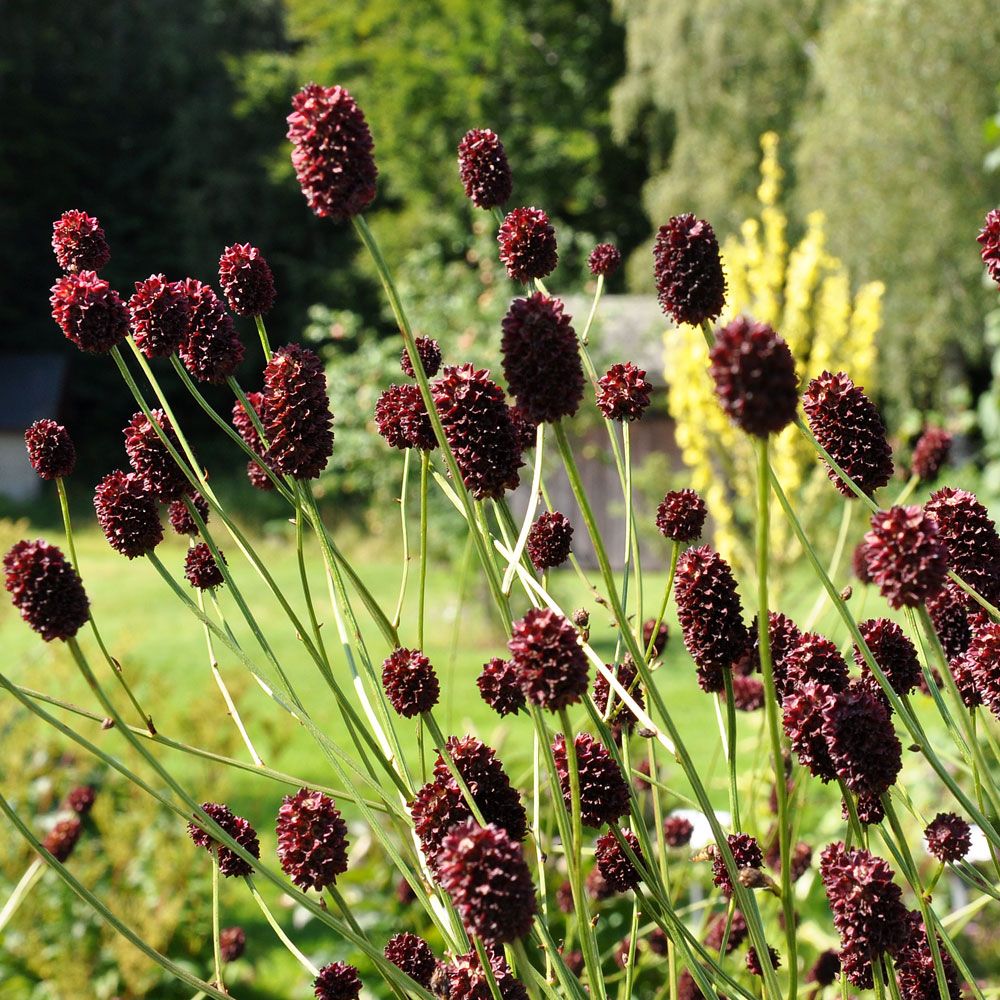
(31, 386)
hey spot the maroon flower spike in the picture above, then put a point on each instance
(989, 239)
(499, 687)
(402, 419)
(410, 682)
(677, 831)
(527, 244)
(298, 424)
(710, 614)
(906, 556)
(604, 260)
(484, 872)
(859, 563)
(232, 943)
(259, 479)
(815, 658)
(525, 430)
(754, 375)
(867, 909)
(463, 979)
(89, 312)
(893, 652)
(312, 839)
(479, 430)
(337, 981)
(950, 616)
(81, 799)
(966, 681)
(50, 449)
(803, 711)
(746, 853)
(332, 153)
(623, 393)
(969, 534)
(662, 635)
(246, 280)
(597, 886)
(79, 242)
(46, 589)
(738, 931)
(211, 350)
(550, 540)
(621, 716)
(930, 453)
(748, 693)
(848, 425)
(483, 167)
(688, 270)
(687, 988)
(429, 352)
(127, 514)
(658, 941)
(159, 315)
(614, 864)
(541, 358)
(983, 661)
(200, 568)
(230, 863)
(753, 962)
(783, 636)
(915, 969)
(62, 838)
(550, 663)
(180, 518)
(156, 468)
(825, 969)
(604, 795)
(413, 955)
(948, 837)
(681, 516)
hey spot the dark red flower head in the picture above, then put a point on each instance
(246, 280)
(989, 239)
(402, 419)
(892, 651)
(677, 831)
(621, 716)
(244, 425)
(525, 430)
(550, 540)
(410, 682)
(906, 556)
(662, 635)
(813, 657)
(783, 636)
(337, 981)
(753, 961)
(948, 837)
(180, 518)
(623, 392)
(681, 516)
(81, 799)
(541, 358)
(499, 687)
(748, 693)
(413, 955)
(50, 449)
(159, 473)
(931, 453)
(604, 795)
(738, 931)
(312, 839)
(483, 167)
(211, 350)
(159, 315)
(332, 153)
(79, 242)
(550, 663)
(429, 352)
(230, 863)
(969, 534)
(848, 425)
(127, 514)
(859, 563)
(614, 864)
(200, 568)
(688, 270)
(62, 838)
(527, 244)
(746, 853)
(604, 260)
(463, 979)
(982, 660)
(232, 943)
(950, 617)
(479, 430)
(298, 424)
(825, 969)
(46, 589)
(754, 375)
(484, 872)
(915, 969)
(89, 312)
(803, 711)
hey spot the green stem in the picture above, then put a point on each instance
(405, 574)
(21, 891)
(279, 933)
(838, 552)
(529, 513)
(425, 465)
(216, 943)
(734, 798)
(264, 342)
(674, 556)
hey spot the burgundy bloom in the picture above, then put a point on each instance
(989, 238)
(915, 970)
(687, 988)
(680, 516)
(614, 864)
(753, 962)
(815, 658)
(337, 981)
(604, 260)
(246, 280)
(180, 518)
(79, 242)
(159, 315)
(621, 716)
(62, 838)
(688, 270)
(906, 556)
(859, 563)
(604, 795)
(298, 424)
(232, 943)
(549, 660)
(869, 809)
(623, 392)
(429, 352)
(848, 425)
(892, 651)
(200, 568)
(484, 872)
(662, 635)
(677, 831)
(312, 839)
(971, 539)
(478, 427)
(541, 358)
(230, 863)
(748, 693)
(127, 514)
(803, 710)
(499, 687)
(982, 659)
(46, 589)
(948, 837)
(211, 350)
(332, 153)
(549, 540)
(738, 931)
(463, 979)
(244, 425)
(930, 453)
(657, 941)
(746, 853)
(950, 616)
(410, 682)
(710, 614)
(597, 886)
(754, 375)
(50, 449)
(156, 468)
(525, 430)
(783, 636)
(825, 969)
(81, 799)
(402, 419)
(413, 955)
(89, 312)
(483, 167)
(527, 244)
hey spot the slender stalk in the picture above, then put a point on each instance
(216, 943)
(838, 552)
(529, 513)
(279, 933)
(425, 465)
(404, 575)
(907, 491)
(734, 797)
(25, 884)
(674, 556)
(264, 342)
